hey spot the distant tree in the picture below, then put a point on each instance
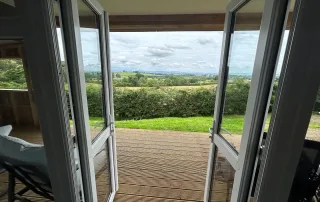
(118, 75)
(15, 75)
(139, 76)
(193, 80)
(134, 81)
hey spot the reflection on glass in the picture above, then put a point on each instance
(244, 41)
(313, 132)
(90, 41)
(279, 65)
(223, 177)
(89, 32)
(64, 66)
(306, 183)
(102, 170)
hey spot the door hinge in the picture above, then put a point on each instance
(259, 154)
(262, 146)
(211, 132)
(112, 127)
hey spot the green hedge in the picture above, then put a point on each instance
(153, 103)
(168, 102)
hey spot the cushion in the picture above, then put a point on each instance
(23, 152)
(5, 130)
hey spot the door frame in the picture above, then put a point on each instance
(293, 109)
(34, 24)
(111, 100)
(73, 50)
(271, 31)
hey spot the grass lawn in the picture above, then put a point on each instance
(233, 123)
(192, 124)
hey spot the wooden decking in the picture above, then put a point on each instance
(155, 166)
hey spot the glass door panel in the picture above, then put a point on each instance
(93, 70)
(244, 86)
(97, 92)
(223, 175)
(90, 87)
(102, 172)
(243, 47)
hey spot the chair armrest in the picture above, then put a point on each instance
(5, 130)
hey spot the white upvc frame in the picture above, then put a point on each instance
(271, 31)
(229, 152)
(35, 24)
(70, 29)
(293, 108)
(111, 101)
(87, 148)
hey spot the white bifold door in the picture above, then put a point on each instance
(253, 37)
(85, 41)
(67, 49)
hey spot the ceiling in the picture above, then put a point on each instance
(154, 7)
(162, 7)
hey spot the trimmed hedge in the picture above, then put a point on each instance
(168, 102)
(141, 104)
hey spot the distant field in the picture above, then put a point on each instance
(162, 87)
(127, 74)
(169, 87)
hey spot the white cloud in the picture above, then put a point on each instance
(172, 51)
(159, 51)
(176, 46)
(204, 41)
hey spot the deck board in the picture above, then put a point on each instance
(154, 166)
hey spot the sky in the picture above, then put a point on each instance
(175, 52)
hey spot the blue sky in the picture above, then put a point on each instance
(188, 52)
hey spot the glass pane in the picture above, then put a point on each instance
(65, 72)
(89, 32)
(306, 183)
(90, 41)
(102, 170)
(93, 76)
(223, 177)
(279, 65)
(244, 41)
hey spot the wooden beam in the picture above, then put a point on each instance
(178, 22)
(10, 50)
(184, 22)
(33, 105)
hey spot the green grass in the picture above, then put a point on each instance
(96, 121)
(191, 124)
(232, 123)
